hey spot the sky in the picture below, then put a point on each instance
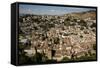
(49, 10)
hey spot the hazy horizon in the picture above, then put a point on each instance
(49, 10)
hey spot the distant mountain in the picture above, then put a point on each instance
(83, 15)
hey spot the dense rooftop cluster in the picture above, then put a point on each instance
(57, 37)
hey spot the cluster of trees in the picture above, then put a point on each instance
(82, 58)
(37, 58)
(87, 57)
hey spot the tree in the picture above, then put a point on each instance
(72, 52)
(94, 47)
(93, 25)
(51, 45)
(56, 40)
(83, 23)
(66, 59)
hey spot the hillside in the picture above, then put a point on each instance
(84, 15)
(58, 38)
